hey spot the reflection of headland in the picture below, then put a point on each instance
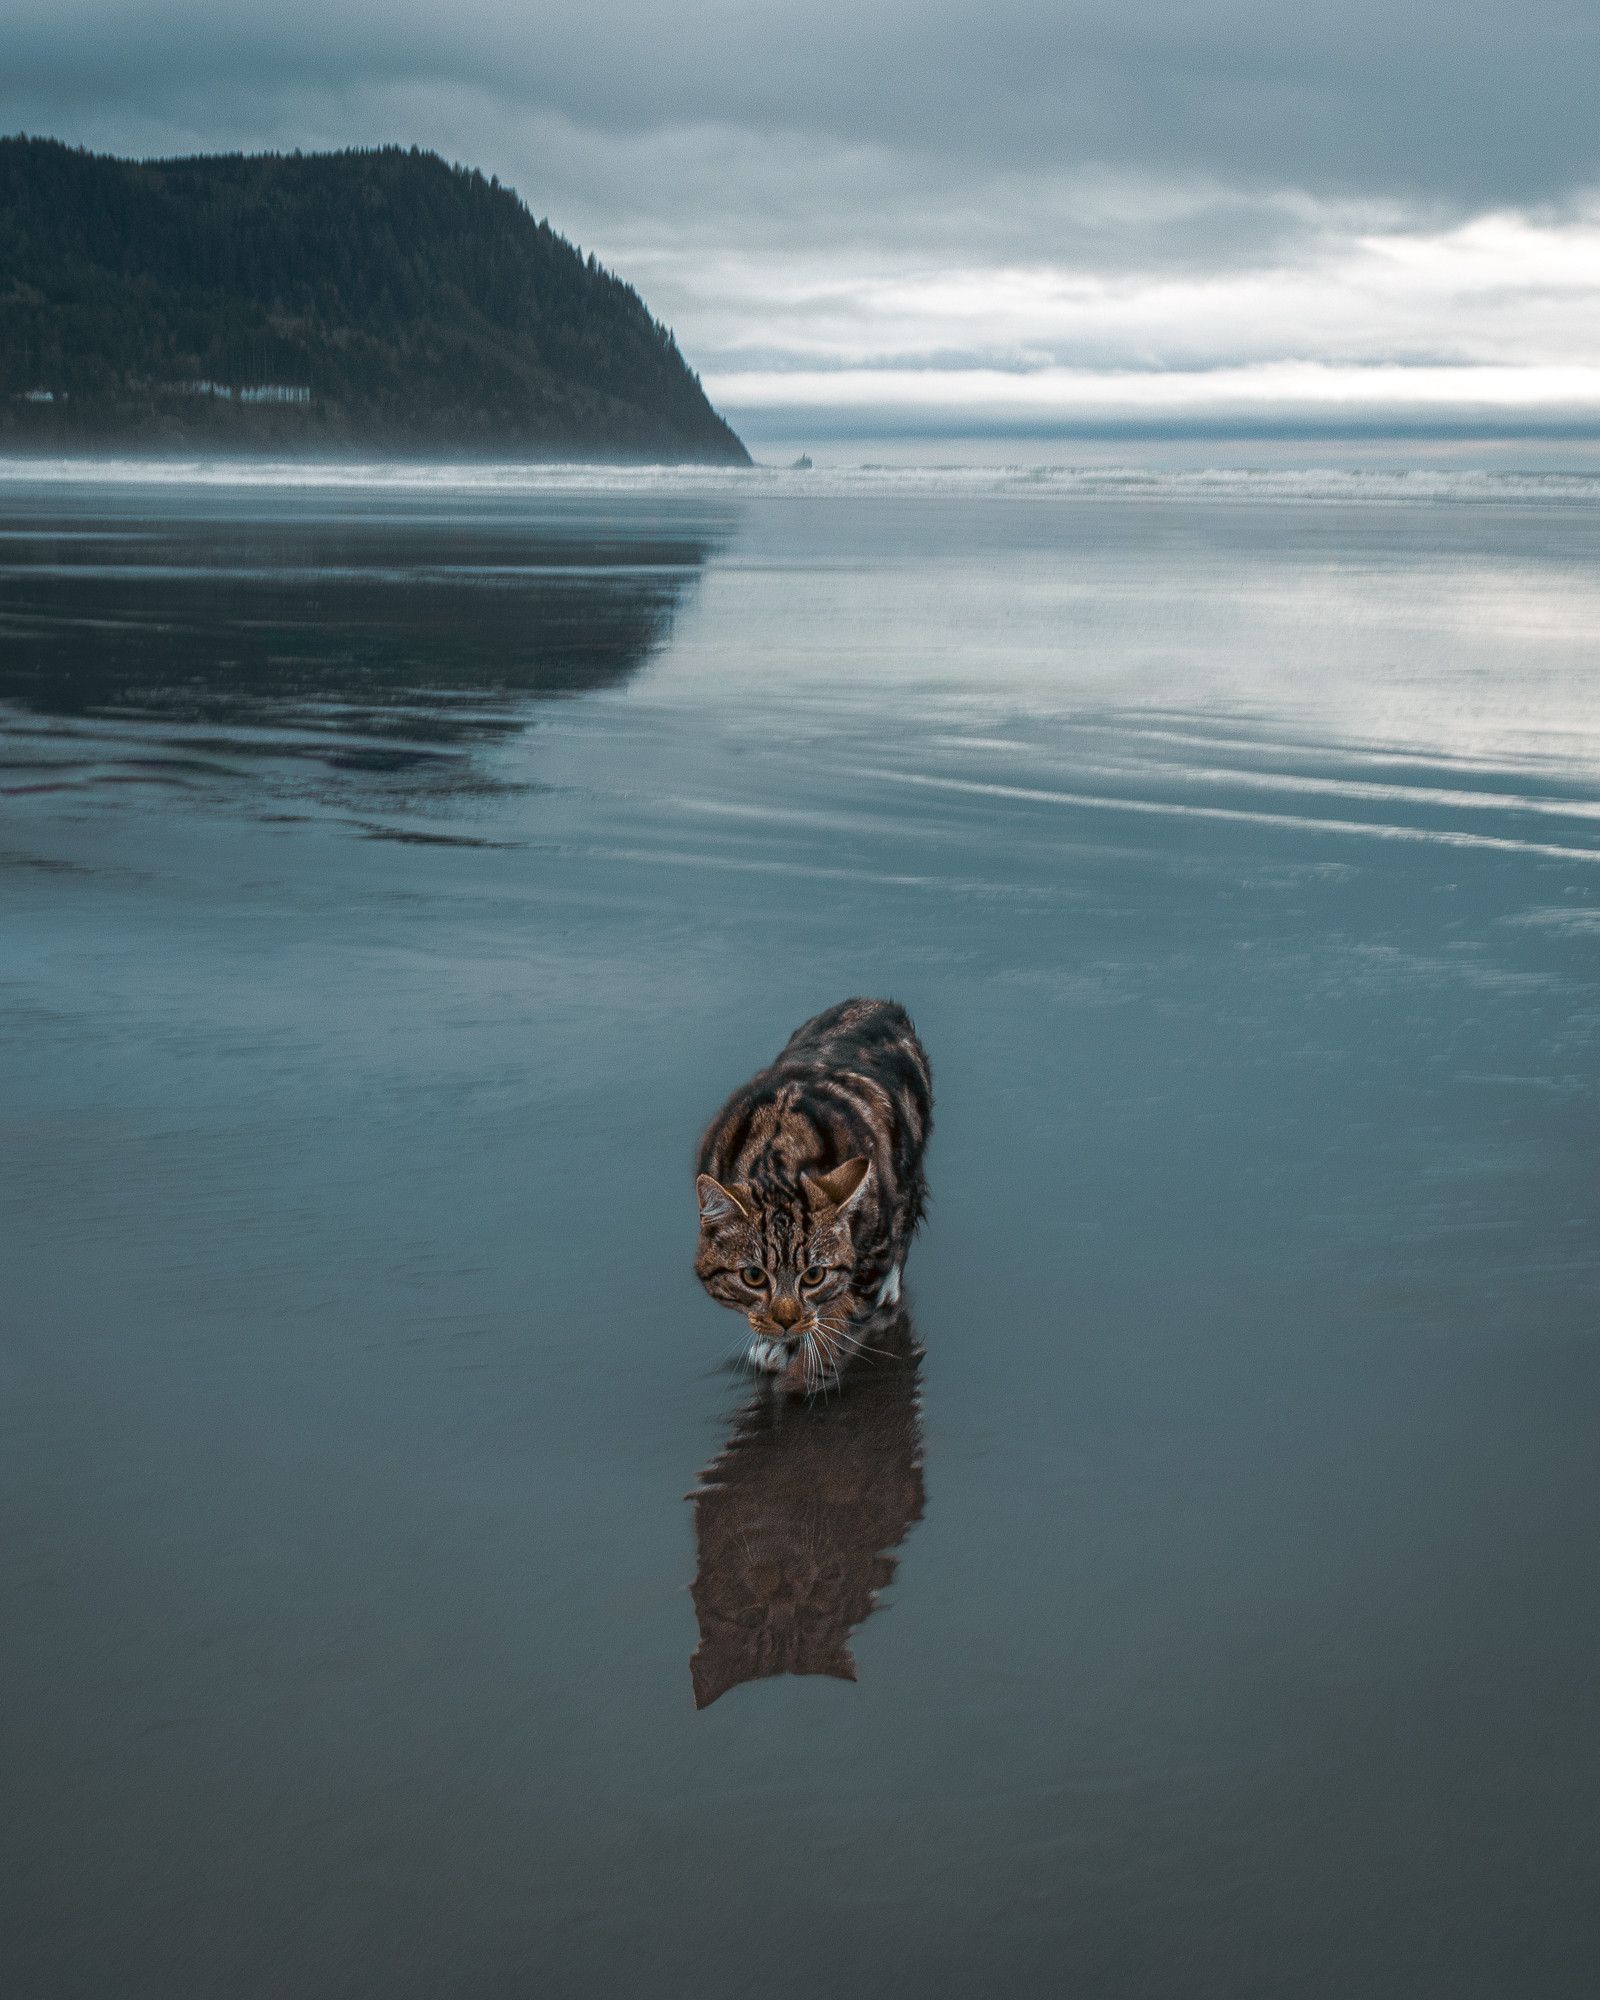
(798, 1518)
(364, 644)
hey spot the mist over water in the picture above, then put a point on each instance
(396, 870)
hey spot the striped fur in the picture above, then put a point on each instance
(811, 1188)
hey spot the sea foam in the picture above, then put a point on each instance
(1311, 485)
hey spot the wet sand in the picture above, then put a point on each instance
(392, 880)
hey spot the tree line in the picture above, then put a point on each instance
(420, 304)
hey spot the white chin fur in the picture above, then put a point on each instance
(889, 1290)
(769, 1355)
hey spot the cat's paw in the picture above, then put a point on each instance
(770, 1356)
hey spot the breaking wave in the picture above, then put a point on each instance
(1309, 486)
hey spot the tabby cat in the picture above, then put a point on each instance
(811, 1187)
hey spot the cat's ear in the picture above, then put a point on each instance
(716, 1203)
(843, 1187)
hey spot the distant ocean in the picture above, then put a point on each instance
(855, 469)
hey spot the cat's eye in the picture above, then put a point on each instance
(813, 1274)
(753, 1276)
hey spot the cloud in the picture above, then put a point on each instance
(1144, 302)
(1471, 101)
(1500, 290)
(1307, 397)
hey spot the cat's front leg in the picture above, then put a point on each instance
(784, 1366)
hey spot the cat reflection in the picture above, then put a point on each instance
(797, 1520)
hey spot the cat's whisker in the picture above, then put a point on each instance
(849, 1335)
(827, 1350)
(841, 1340)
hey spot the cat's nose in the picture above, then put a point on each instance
(786, 1312)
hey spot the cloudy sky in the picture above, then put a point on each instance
(1203, 214)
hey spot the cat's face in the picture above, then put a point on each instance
(786, 1261)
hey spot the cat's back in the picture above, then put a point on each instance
(872, 1038)
(858, 1070)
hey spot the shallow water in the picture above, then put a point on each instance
(394, 875)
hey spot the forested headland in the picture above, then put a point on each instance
(378, 299)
